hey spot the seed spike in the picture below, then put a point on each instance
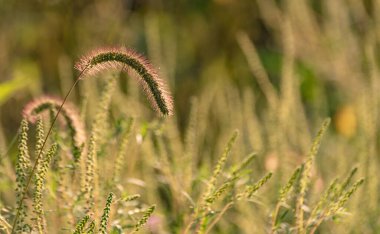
(126, 59)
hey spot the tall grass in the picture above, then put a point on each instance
(102, 171)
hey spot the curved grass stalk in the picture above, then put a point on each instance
(69, 112)
(122, 58)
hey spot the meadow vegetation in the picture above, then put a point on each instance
(273, 136)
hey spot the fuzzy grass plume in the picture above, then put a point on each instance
(34, 108)
(124, 59)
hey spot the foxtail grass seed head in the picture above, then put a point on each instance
(106, 215)
(125, 59)
(284, 192)
(243, 164)
(222, 160)
(344, 198)
(91, 228)
(81, 225)
(328, 196)
(306, 174)
(283, 196)
(211, 194)
(40, 176)
(90, 174)
(39, 136)
(34, 108)
(145, 218)
(131, 198)
(305, 179)
(23, 163)
(349, 178)
(22, 170)
(251, 189)
(218, 192)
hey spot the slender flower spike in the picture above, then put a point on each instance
(124, 59)
(106, 215)
(81, 225)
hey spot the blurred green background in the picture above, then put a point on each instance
(193, 43)
(41, 40)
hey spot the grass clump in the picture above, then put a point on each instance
(333, 199)
(195, 188)
(197, 205)
(154, 88)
